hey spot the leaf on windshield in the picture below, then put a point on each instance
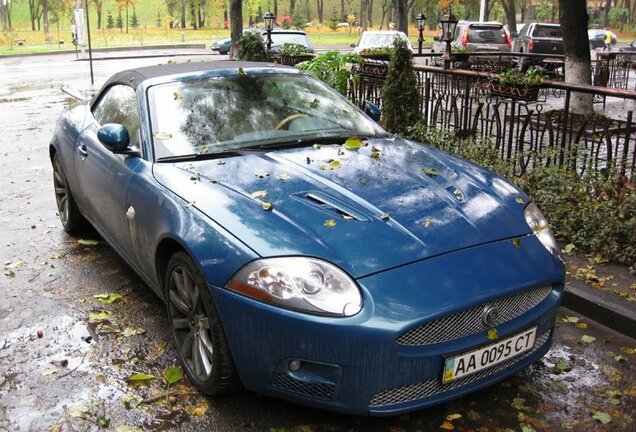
(195, 177)
(267, 206)
(314, 104)
(330, 223)
(108, 298)
(362, 181)
(385, 216)
(353, 143)
(375, 155)
(317, 146)
(262, 174)
(177, 96)
(431, 172)
(283, 177)
(259, 194)
(334, 164)
(427, 222)
(162, 135)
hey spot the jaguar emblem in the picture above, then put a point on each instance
(489, 315)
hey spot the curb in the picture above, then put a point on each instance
(101, 50)
(604, 308)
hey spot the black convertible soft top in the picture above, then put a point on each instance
(134, 77)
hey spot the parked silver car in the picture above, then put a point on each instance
(475, 37)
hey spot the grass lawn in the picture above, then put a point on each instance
(34, 41)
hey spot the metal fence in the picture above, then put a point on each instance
(525, 132)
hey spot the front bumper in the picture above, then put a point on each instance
(356, 365)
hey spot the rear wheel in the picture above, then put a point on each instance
(196, 328)
(70, 216)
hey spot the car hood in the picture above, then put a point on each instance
(389, 203)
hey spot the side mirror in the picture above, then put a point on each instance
(436, 38)
(372, 111)
(114, 137)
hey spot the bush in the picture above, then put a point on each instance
(252, 48)
(333, 69)
(401, 108)
(595, 211)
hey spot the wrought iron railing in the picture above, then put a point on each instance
(524, 132)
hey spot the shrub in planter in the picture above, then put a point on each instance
(401, 101)
(252, 48)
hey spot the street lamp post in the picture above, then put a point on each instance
(269, 19)
(448, 23)
(420, 27)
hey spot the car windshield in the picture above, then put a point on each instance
(379, 39)
(547, 31)
(279, 39)
(213, 115)
(487, 34)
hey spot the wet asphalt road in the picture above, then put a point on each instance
(61, 372)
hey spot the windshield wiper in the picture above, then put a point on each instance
(207, 156)
(303, 142)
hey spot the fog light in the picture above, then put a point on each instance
(294, 365)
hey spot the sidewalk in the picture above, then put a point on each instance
(604, 292)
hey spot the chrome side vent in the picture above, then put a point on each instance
(330, 205)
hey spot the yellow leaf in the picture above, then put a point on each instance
(628, 350)
(200, 409)
(353, 143)
(447, 426)
(427, 222)
(581, 325)
(283, 176)
(259, 194)
(330, 223)
(267, 206)
(452, 417)
(492, 334)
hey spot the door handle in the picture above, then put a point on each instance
(83, 151)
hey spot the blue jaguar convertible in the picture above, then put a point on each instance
(302, 251)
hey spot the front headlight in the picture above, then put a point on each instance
(307, 284)
(541, 228)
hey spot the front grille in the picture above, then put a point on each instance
(320, 391)
(469, 322)
(435, 387)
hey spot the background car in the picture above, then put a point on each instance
(222, 46)
(295, 269)
(538, 38)
(597, 38)
(281, 37)
(477, 36)
(372, 39)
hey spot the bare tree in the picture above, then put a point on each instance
(320, 4)
(99, 7)
(401, 9)
(578, 65)
(5, 14)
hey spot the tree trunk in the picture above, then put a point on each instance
(608, 6)
(236, 25)
(183, 15)
(45, 19)
(402, 15)
(292, 6)
(511, 14)
(276, 7)
(370, 13)
(31, 13)
(99, 18)
(578, 65)
(319, 6)
(363, 15)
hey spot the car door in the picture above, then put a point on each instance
(103, 176)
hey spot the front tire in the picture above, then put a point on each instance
(70, 216)
(196, 328)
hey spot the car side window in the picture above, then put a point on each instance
(119, 105)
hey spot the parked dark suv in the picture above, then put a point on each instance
(538, 38)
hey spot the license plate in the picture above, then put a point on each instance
(490, 355)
